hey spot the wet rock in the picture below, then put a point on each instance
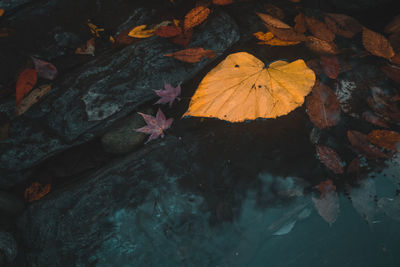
(8, 246)
(102, 91)
(10, 203)
(123, 138)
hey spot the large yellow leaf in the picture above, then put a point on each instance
(242, 88)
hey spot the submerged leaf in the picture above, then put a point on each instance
(361, 144)
(241, 88)
(45, 69)
(331, 66)
(328, 205)
(363, 199)
(36, 191)
(323, 106)
(386, 139)
(330, 159)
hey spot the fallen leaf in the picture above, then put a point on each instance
(155, 125)
(36, 191)
(5, 32)
(141, 32)
(222, 2)
(26, 80)
(320, 46)
(195, 17)
(300, 23)
(322, 106)
(342, 24)
(396, 58)
(242, 88)
(361, 144)
(315, 65)
(32, 98)
(94, 29)
(354, 166)
(183, 38)
(330, 159)
(328, 205)
(169, 94)
(274, 11)
(45, 69)
(384, 138)
(192, 55)
(377, 44)
(269, 39)
(331, 66)
(319, 29)
(393, 26)
(392, 72)
(375, 119)
(4, 131)
(1, 12)
(168, 31)
(363, 199)
(326, 186)
(280, 29)
(87, 49)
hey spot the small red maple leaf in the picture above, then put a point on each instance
(155, 125)
(169, 94)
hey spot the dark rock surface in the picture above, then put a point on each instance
(8, 246)
(105, 89)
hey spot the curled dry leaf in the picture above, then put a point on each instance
(300, 23)
(222, 2)
(195, 17)
(386, 139)
(32, 98)
(323, 106)
(320, 46)
(192, 55)
(26, 80)
(45, 69)
(141, 32)
(330, 159)
(377, 44)
(319, 29)
(168, 31)
(342, 25)
(280, 29)
(36, 191)
(331, 66)
(268, 38)
(392, 72)
(361, 144)
(274, 11)
(87, 49)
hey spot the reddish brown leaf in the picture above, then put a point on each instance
(321, 46)
(331, 66)
(374, 119)
(300, 23)
(396, 59)
(222, 2)
(384, 138)
(394, 40)
(330, 159)
(319, 29)
(342, 25)
(315, 66)
(36, 191)
(280, 29)
(274, 11)
(361, 144)
(326, 186)
(123, 39)
(183, 38)
(192, 55)
(26, 80)
(392, 72)
(322, 106)
(195, 17)
(168, 31)
(393, 26)
(377, 44)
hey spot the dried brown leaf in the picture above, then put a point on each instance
(384, 138)
(280, 29)
(195, 17)
(274, 11)
(222, 2)
(192, 55)
(377, 44)
(321, 47)
(331, 66)
(392, 72)
(361, 144)
(168, 31)
(300, 23)
(342, 24)
(319, 29)
(330, 159)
